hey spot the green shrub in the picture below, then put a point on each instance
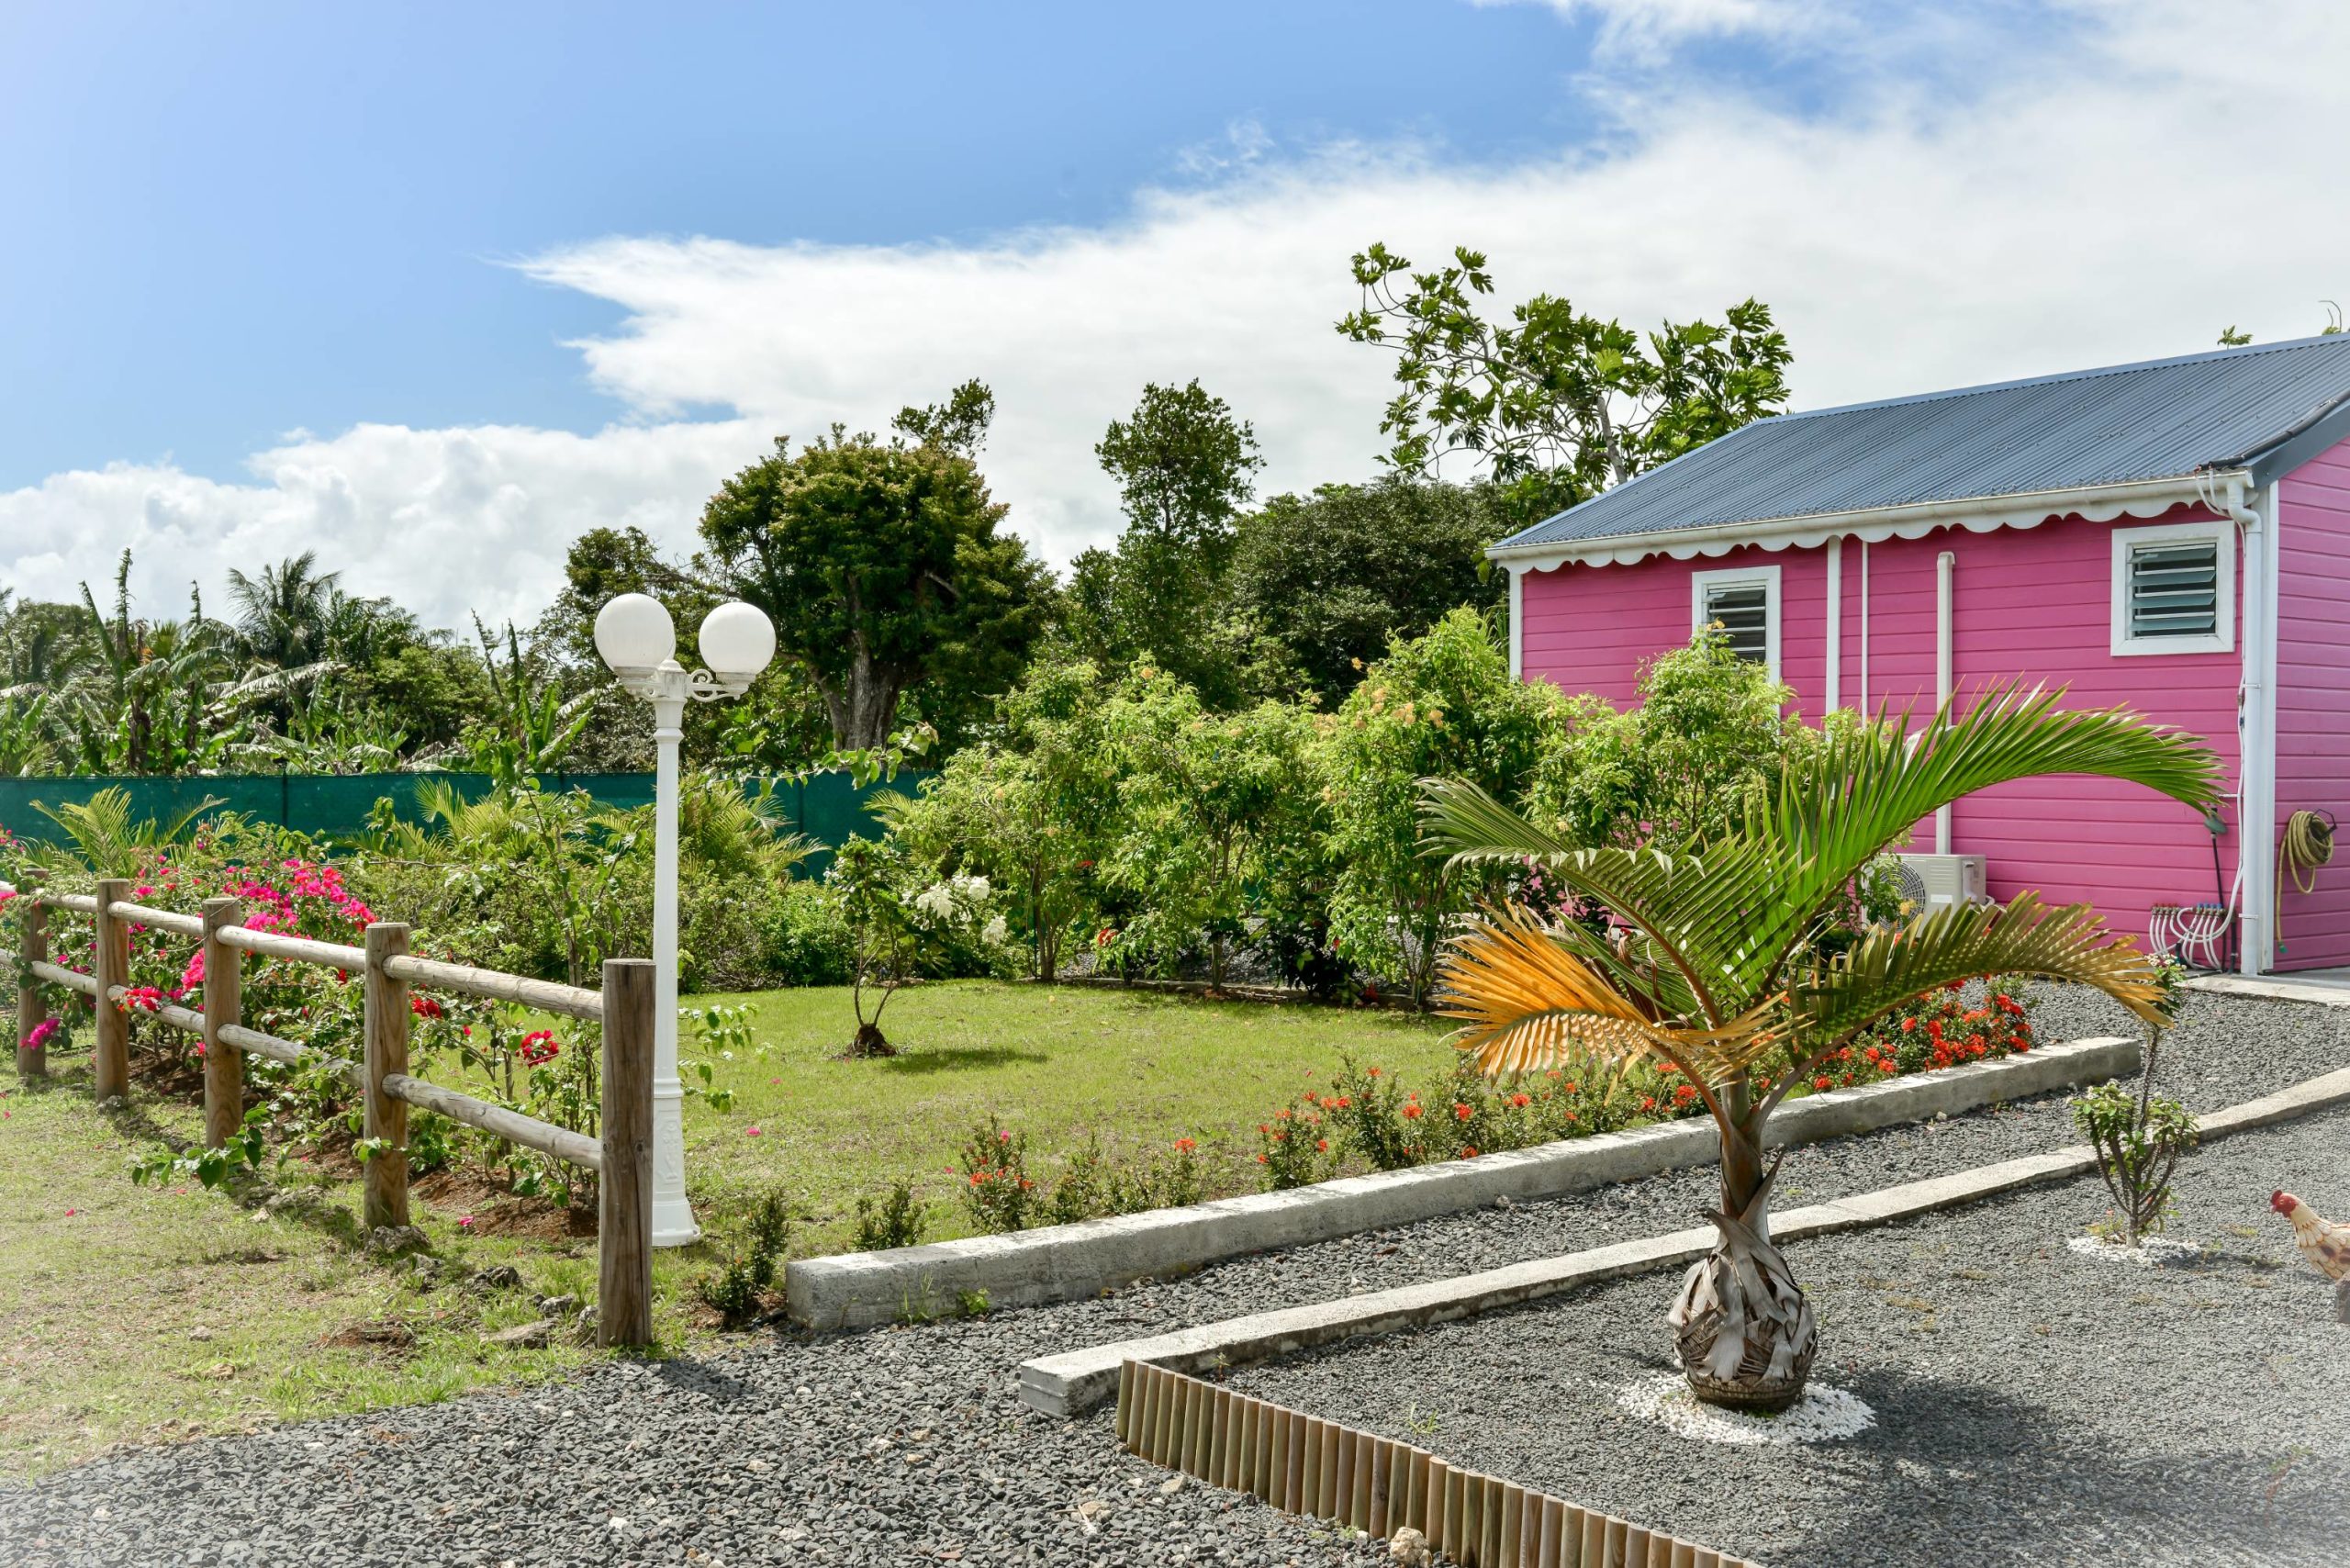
(895, 1221)
(739, 1288)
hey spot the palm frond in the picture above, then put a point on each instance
(2068, 943)
(1525, 1002)
(1865, 788)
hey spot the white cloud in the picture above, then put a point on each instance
(2169, 172)
(447, 521)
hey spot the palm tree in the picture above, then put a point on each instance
(283, 617)
(1713, 968)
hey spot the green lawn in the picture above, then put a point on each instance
(1137, 1069)
(131, 1314)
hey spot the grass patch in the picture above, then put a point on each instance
(132, 1314)
(1062, 1063)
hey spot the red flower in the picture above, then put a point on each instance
(1648, 1103)
(1461, 1113)
(540, 1046)
(1820, 1082)
(424, 1007)
(1412, 1111)
(1184, 1146)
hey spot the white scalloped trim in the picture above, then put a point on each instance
(2096, 504)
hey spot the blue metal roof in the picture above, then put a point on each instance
(2269, 407)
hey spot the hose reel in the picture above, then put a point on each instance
(2306, 845)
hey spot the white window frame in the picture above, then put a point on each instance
(2222, 639)
(1740, 577)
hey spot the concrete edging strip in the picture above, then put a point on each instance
(1076, 1381)
(2275, 988)
(1072, 1262)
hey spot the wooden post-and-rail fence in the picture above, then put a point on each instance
(622, 1158)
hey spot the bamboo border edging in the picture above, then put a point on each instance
(1359, 1481)
(621, 1156)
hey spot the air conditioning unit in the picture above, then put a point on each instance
(1931, 880)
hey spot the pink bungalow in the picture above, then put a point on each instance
(2173, 535)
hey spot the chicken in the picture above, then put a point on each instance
(2323, 1243)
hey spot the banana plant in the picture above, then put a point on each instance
(1713, 968)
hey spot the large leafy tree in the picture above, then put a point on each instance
(1714, 972)
(1184, 466)
(1557, 403)
(1330, 578)
(881, 566)
(1442, 703)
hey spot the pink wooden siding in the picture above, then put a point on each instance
(2031, 602)
(2313, 694)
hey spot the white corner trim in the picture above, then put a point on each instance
(1979, 514)
(1740, 577)
(2221, 533)
(1517, 622)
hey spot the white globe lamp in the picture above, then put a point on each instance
(636, 635)
(737, 642)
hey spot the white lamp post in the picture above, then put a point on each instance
(636, 636)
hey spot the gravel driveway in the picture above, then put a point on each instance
(908, 1445)
(2034, 1406)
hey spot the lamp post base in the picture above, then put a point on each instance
(673, 1216)
(673, 1223)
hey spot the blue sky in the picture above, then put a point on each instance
(432, 289)
(258, 216)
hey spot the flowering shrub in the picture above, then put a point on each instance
(997, 1188)
(284, 887)
(1942, 1028)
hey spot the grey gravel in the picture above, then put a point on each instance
(2032, 1406)
(909, 1445)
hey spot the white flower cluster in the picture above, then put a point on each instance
(960, 903)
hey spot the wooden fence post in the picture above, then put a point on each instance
(386, 1200)
(224, 1066)
(110, 1065)
(32, 1061)
(624, 1191)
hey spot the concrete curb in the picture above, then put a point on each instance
(1076, 1381)
(2275, 988)
(1071, 1263)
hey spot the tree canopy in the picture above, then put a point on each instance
(1556, 403)
(878, 564)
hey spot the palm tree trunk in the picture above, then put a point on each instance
(1745, 1332)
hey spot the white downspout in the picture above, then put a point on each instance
(2256, 738)
(1835, 624)
(1945, 567)
(1864, 626)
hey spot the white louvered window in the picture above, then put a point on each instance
(2173, 588)
(1744, 602)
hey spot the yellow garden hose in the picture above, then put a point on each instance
(2308, 843)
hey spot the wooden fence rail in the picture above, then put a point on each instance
(622, 1158)
(1302, 1465)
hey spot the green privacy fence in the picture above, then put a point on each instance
(828, 808)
